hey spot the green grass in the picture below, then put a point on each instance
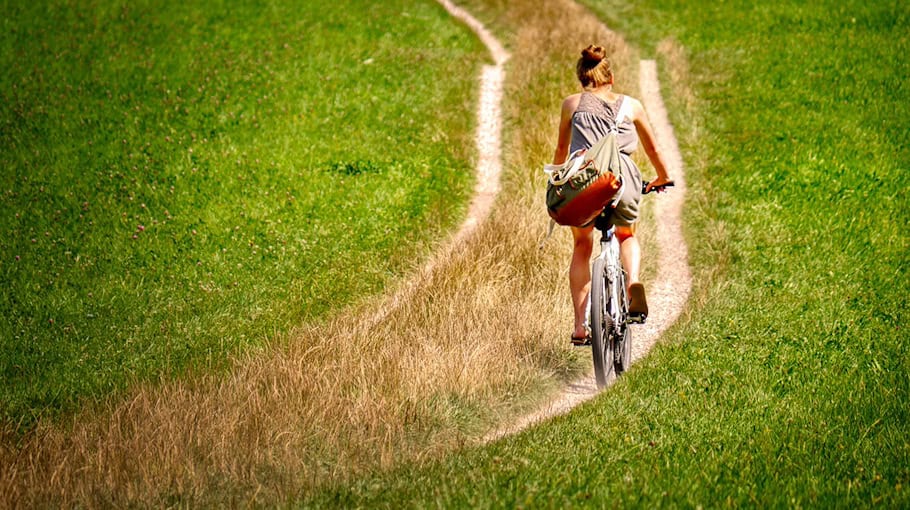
(184, 181)
(788, 386)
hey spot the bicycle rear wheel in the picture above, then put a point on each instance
(601, 324)
(624, 351)
(624, 342)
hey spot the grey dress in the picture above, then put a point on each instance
(592, 120)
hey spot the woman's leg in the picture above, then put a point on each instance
(580, 275)
(629, 252)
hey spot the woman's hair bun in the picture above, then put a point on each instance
(592, 55)
(593, 68)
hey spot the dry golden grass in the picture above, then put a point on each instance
(474, 339)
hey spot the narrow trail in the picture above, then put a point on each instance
(489, 124)
(668, 295)
(343, 396)
(673, 283)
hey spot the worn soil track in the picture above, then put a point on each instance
(673, 283)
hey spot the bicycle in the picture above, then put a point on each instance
(611, 337)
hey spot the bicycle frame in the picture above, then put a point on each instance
(616, 276)
(610, 333)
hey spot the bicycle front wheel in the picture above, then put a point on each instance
(601, 324)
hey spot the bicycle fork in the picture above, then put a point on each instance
(610, 252)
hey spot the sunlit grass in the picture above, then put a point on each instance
(787, 385)
(433, 364)
(183, 181)
(785, 390)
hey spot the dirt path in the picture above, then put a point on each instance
(344, 395)
(668, 295)
(671, 290)
(489, 124)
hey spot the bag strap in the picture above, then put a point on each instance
(624, 111)
(546, 238)
(560, 174)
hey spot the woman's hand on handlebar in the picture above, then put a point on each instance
(658, 185)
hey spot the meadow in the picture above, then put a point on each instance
(783, 384)
(433, 363)
(786, 384)
(185, 182)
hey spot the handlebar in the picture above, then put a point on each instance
(602, 221)
(658, 189)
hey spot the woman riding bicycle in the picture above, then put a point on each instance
(586, 117)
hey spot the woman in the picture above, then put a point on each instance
(586, 117)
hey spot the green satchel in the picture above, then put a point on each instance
(590, 180)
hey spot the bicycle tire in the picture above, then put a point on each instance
(624, 343)
(601, 325)
(624, 357)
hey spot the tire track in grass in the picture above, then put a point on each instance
(259, 418)
(489, 124)
(669, 293)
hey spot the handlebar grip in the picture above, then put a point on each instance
(663, 187)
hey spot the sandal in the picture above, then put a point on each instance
(582, 340)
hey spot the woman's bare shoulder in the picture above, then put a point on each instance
(571, 103)
(635, 104)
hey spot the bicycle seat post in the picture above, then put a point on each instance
(602, 223)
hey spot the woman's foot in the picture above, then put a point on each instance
(581, 336)
(638, 304)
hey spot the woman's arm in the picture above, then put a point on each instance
(646, 136)
(569, 105)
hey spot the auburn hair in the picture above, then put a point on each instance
(594, 67)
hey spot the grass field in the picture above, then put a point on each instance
(784, 386)
(433, 364)
(787, 386)
(184, 181)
